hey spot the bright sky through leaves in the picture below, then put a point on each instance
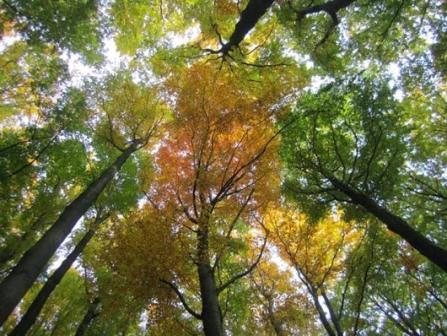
(222, 167)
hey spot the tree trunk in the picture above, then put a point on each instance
(211, 313)
(89, 316)
(321, 313)
(33, 311)
(333, 316)
(426, 247)
(14, 287)
(249, 17)
(275, 322)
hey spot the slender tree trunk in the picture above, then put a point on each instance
(396, 224)
(321, 313)
(277, 326)
(14, 287)
(89, 316)
(313, 291)
(275, 322)
(211, 313)
(333, 316)
(33, 311)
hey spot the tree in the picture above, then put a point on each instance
(14, 286)
(42, 166)
(345, 146)
(33, 311)
(212, 185)
(200, 187)
(317, 252)
(40, 21)
(341, 102)
(282, 309)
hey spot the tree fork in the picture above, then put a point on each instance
(16, 284)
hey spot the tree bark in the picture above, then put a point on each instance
(211, 312)
(249, 17)
(330, 7)
(33, 311)
(396, 224)
(16, 284)
(89, 316)
(257, 8)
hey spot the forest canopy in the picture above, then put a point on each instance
(225, 167)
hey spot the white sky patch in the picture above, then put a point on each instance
(79, 71)
(114, 59)
(281, 263)
(394, 69)
(178, 40)
(317, 82)
(8, 41)
(299, 58)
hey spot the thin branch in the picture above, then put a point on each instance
(246, 272)
(182, 299)
(39, 154)
(232, 225)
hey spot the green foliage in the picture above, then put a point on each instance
(67, 24)
(351, 131)
(63, 311)
(30, 77)
(204, 122)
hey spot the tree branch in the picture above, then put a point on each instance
(246, 272)
(182, 299)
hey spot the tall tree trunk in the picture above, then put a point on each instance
(211, 313)
(396, 224)
(89, 316)
(16, 284)
(33, 311)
